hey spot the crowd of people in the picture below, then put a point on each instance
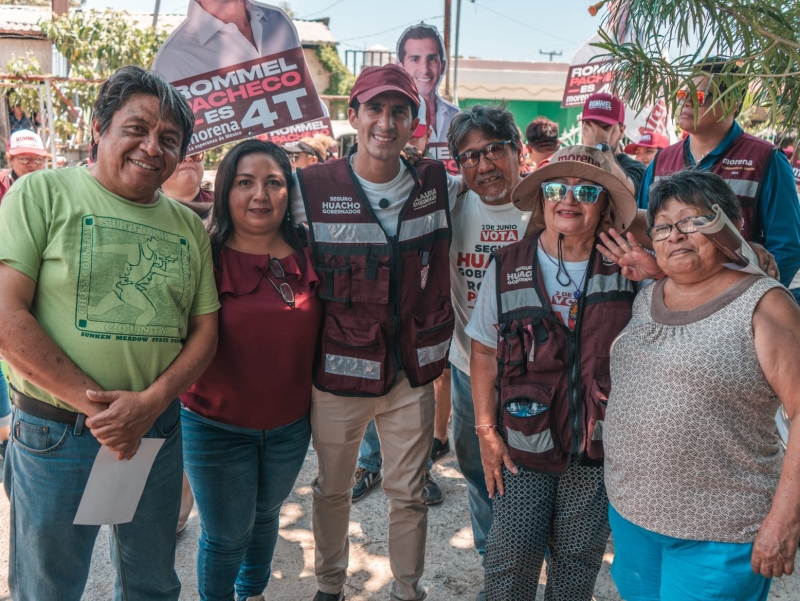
(605, 371)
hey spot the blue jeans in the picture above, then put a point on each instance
(468, 454)
(369, 453)
(46, 470)
(240, 478)
(5, 403)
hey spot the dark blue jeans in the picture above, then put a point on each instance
(240, 478)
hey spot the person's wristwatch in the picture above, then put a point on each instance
(602, 147)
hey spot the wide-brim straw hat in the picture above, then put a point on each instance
(587, 163)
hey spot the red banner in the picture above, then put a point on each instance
(584, 80)
(251, 98)
(441, 152)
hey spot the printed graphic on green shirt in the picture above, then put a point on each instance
(134, 279)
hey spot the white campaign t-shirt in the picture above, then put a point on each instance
(481, 326)
(478, 229)
(395, 191)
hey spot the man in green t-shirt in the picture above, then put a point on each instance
(108, 311)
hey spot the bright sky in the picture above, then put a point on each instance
(491, 29)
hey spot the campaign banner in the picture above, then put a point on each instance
(294, 133)
(584, 80)
(441, 152)
(251, 98)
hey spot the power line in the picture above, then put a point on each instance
(518, 22)
(369, 35)
(316, 12)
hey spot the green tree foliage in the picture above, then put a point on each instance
(95, 45)
(758, 38)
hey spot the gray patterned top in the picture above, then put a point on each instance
(691, 446)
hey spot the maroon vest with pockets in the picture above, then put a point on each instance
(742, 166)
(566, 373)
(387, 298)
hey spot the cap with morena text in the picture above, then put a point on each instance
(388, 78)
(603, 107)
(25, 141)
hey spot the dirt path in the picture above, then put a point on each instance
(452, 571)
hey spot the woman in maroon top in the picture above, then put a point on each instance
(246, 421)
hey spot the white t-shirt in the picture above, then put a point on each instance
(478, 229)
(395, 191)
(481, 326)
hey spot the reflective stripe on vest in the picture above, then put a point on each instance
(604, 284)
(349, 233)
(535, 443)
(422, 226)
(432, 354)
(519, 299)
(353, 367)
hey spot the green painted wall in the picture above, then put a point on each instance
(526, 111)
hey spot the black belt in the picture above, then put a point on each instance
(43, 410)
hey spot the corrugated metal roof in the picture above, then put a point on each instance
(23, 20)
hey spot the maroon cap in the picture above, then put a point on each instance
(649, 139)
(603, 107)
(388, 78)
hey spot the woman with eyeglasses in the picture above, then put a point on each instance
(704, 502)
(25, 153)
(547, 312)
(186, 183)
(246, 422)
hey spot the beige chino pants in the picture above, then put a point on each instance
(404, 420)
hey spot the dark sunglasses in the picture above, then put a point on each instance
(286, 292)
(556, 192)
(492, 151)
(195, 158)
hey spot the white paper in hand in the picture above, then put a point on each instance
(115, 487)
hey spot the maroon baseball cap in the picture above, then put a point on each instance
(603, 107)
(388, 78)
(649, 139)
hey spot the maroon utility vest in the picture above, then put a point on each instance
(387, 298)
(742, 166)
(563, 373)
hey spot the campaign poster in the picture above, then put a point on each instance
(420, 51)
(585, 80)
(239, 85)
(295, 133)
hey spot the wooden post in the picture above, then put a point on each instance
(447, 12)
(60, 7)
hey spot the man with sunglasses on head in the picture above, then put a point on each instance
(380, 233)
(755, 169)
(602, 126)
(25, 154)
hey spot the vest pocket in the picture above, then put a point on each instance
(369, 282)
(511, 349)
(334, 282)
(354, 354)
(595, 408)
(525, 417)
(432, 335)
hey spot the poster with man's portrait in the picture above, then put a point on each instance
(240, 81)
(420, 51)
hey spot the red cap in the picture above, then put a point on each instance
(388, 78)
(649, 139)
(603, 107)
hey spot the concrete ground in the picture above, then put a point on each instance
(452, 568)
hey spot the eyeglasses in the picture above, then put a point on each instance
(586, 193)
(35, 160)
(492, 151)
(286, 292)
(195, 158)
(293, 156)
(688, 225)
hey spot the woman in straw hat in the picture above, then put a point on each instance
(542, 329)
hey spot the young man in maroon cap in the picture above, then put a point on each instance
(646, 149)
(602, 126)
(380, 234)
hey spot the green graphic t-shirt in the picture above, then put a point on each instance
(116, 281)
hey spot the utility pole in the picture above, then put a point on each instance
(455, 60)
(60, 7)
(156, 10)
(447, 48)
(551, 54)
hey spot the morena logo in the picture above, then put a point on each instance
(604, 105)
(581, 158)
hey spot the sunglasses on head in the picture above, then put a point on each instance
(492, 151)
(586, 193)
